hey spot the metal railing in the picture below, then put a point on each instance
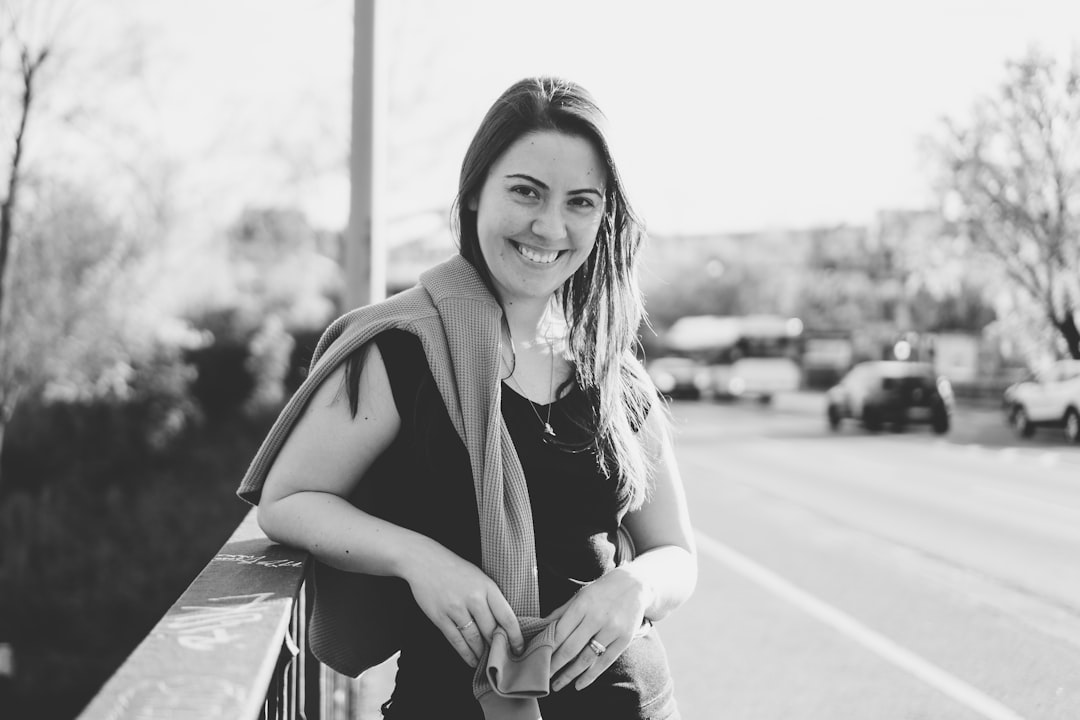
(232, 646)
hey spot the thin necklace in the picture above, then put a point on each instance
(548, 430)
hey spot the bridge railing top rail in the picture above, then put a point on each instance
(214, 652)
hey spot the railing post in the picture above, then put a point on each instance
(310, 685)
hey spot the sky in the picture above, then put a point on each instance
(725, 116)
(743, 115)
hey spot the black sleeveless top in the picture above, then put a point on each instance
(424, 482)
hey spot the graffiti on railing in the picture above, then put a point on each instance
(228, 649)
(204, 627)
(176, 698)
(257, 560)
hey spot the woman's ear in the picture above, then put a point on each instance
(473, 204)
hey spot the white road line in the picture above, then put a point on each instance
(1008, 454)
(1048, 459)
(882, 646)
(1056, 508)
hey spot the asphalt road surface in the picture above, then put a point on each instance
(857, 576)
(876, 576)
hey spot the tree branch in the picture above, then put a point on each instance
(29, 65)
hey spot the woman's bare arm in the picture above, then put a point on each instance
(666, 562)
(304, 504)
(662, 576)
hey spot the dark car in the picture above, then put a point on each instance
(679, 377)
(891, 392)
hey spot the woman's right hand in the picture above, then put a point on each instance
(463, 602)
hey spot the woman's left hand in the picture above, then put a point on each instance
(595, 626)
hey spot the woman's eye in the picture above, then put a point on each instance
(582, 202)
(524, 191)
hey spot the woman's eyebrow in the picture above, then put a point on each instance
(543, 186)
(530, 178)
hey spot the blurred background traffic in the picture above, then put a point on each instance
(864, 218)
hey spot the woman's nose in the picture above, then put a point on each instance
(549, 223)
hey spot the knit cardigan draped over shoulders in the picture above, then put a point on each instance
(458, 322)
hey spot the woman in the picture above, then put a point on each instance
(471, 461)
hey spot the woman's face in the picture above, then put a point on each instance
(538, 213)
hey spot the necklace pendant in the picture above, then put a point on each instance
(548, 430)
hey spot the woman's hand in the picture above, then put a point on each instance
(463, 602)
(595, 627)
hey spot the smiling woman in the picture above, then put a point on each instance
(538, 214)
(481, 466)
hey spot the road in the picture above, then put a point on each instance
(880, 577)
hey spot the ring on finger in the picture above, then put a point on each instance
(466, 626)
(597, 647)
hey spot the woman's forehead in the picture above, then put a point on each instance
(556, 154)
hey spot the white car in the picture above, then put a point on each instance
(1047, 399)
(759, 378)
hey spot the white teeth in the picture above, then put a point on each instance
(536, 256)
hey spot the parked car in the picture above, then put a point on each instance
(880, 392)
(1047, 399)
(744, 356)
(753, 377)
(678, 377)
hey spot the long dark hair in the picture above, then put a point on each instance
(601, 302)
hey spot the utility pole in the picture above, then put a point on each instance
(365, 243)
(365, 282)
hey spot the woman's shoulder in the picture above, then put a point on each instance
(398, 340)
(403, 355)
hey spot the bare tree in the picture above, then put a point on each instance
(65, 261)
(30, 60)
(31, 56)
(1012, 182)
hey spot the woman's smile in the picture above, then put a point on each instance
(534, 255)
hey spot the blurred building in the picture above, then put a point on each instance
(859, 289)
